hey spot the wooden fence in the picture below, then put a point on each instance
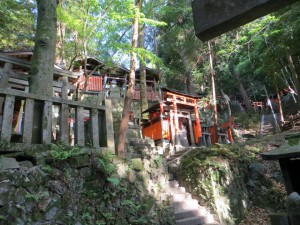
(34, 119)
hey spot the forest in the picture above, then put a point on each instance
(262, 53)
(255, 63)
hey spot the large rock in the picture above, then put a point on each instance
(293, 208)
(8, 163)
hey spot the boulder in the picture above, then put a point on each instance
(8, 163)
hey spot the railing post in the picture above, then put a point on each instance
(64, 88)
(28, 121)
(109, 126)
(95, 127)
(47, 123)
(79, 123)
(5, 75)
(64, 124)
(8, 114)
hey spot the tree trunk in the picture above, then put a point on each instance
(190, 84)
(243, 92)
(41, 74)
(188, 67)
(280, 105)
(294, 76)
(131, 82)
(143, 84)
(213, 86)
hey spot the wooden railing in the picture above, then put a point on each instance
(30, 119)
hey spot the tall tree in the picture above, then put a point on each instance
(41, 74)
(213, 86)
(143, 84)
(131, 82)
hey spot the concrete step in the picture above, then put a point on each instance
(173, 183)
(181, 197)
(196, 220)
(183, 213)
(186, 204)
(177, 190)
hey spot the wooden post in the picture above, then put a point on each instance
(4, 80)
(79, 123)
(191, 130)
(47, 123)
(28, 121)
(176, 141)
(64, 88)
(172, 130)
(5, 75)
(109, 126)
(95, 128)
(64, 124)
(162, 122)
(8, 114)
(198, 125)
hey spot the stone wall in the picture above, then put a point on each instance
(83, 189)
(230, 183)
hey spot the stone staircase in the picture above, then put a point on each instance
(141, 148)
(268, 125)
(186, 209)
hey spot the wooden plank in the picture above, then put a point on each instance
(47, 123)
(8, 114)
(18, 81)
(18, 76)
(95, 128)
(64, 125)
(28, 121)
(79, 126)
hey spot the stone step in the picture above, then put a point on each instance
(177, 190)
(185, 213)
(186, 204)
(196, 220)
(173, 183)
(181, 197)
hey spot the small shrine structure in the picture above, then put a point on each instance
(174, 119)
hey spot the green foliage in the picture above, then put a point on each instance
(38, 196)
(63, 152)
(105, 164)
(114, 180)
(17, 24)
